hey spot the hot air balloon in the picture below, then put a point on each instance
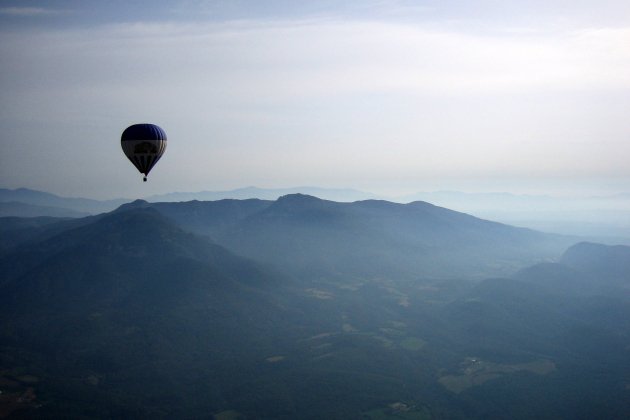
(144, 145)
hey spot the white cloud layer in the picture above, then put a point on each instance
(317, 101)
(26, 11)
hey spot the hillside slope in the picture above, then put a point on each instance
(130, 301)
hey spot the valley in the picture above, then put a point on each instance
(311, 309)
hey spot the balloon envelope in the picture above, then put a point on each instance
(144, 145)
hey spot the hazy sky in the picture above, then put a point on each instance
(385, 96)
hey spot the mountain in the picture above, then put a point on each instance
(575, 317)
(130, 315)
(43, 199)
(139, 239)
(16, 230)
(17, 209)
(558, 277)
(315, 237)
(20, 231)
(598, 258)
(127, 302)
(213, 218)
(336, 194)
(585, 268)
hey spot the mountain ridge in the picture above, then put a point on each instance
(408, 236)
(601, 219)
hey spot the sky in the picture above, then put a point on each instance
(390, 97)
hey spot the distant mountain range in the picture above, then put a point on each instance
(334, 194)
(602, 218)
(51, 205)
(307, 308)
(307, 236)
(23, 202)
(310, 235)
(14, 208)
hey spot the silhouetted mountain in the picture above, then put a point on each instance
(585, 268)
(612, 261)
(22, 232)
(15, 230)
(138, 239)
(130, 299)
(316, 237)
(39, 198)
(16, 209)
(27, 232)
(127, 315)
(211, 218)
(558, 277)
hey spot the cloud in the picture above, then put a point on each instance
(248, 64)
(314, 58)
(27, 11)
(257, 102)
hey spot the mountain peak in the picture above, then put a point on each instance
(141, 225)
(299, 202)
(136, 204)
(298, 198)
